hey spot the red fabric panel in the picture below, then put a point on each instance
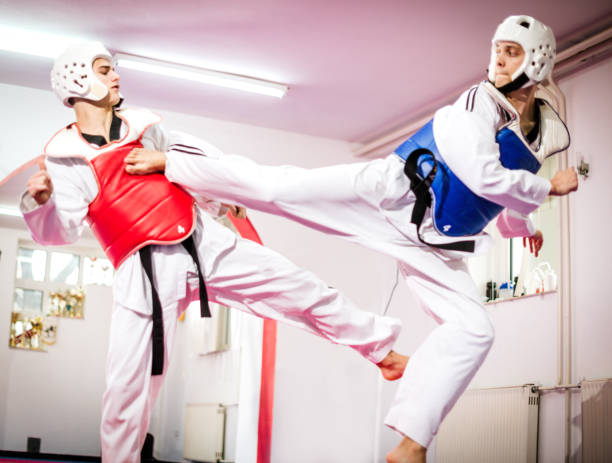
(268, 361)
(266, 394)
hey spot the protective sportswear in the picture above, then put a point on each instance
(73, 75)
(130, 211)
(538, 43)
(458, 211)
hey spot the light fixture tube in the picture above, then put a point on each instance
(206, 76)
(10, 211)
(33, 42)
(46, 45)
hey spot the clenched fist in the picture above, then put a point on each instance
(564, 182)
(40, 186)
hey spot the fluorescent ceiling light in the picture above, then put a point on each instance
(206, 76)
(33, 42)
(50, 46)
(11, 211)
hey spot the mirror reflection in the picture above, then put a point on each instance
(511, 269)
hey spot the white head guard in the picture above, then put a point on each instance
(538, 43)
(73, 75)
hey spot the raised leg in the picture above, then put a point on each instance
(244, 275)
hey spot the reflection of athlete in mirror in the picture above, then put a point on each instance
(179, 247)
(425, 205)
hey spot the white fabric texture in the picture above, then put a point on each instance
(512, 224)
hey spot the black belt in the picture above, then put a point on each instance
(420, 187)
(158, 318)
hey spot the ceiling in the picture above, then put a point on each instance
(356, 69)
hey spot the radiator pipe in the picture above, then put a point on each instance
(565, 372)
(559, 387)
(564, 318)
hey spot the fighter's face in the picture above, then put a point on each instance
(109, 77)
(509, 57)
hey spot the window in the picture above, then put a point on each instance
(28, 300)
(49, 284)
(64, 268)
(31, 264)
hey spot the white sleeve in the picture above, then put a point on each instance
(512, 224)
(155, 138)
(183, 143)
(465, 135)
(158, 138)
(183, 149)
(61, 219)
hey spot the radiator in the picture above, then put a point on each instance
(596, 420)
(204, 432)
(491, 425)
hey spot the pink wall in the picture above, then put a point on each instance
(589, 96)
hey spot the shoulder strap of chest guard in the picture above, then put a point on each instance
(68, 142)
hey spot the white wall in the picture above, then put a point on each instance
(34, 116)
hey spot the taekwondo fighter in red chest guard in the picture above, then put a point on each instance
(167, 250)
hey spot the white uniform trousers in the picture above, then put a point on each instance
(371, 204)
(239, 274)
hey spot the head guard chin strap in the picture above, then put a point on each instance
(538, 43)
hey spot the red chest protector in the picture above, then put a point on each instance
(132, 211)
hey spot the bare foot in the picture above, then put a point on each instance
(408, 451)
(393, 365)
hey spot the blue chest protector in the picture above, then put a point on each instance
(458, 211)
